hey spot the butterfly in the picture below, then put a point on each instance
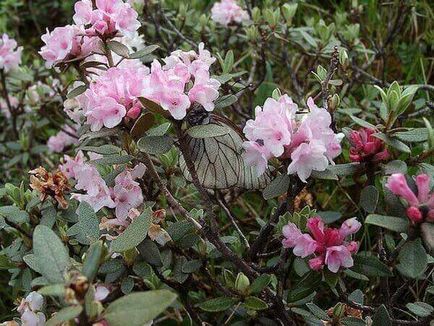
(218, 160)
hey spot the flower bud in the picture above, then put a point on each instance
(242, 282)
(333, 102)
(414, 214)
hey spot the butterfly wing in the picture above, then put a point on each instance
(219, 163)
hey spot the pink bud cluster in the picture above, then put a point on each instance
(226, 12)
(10, 55)
(125, 196)
(420, 207)
(30, 310)
(327, 245)
(110, 18)
(67, 136)
(365, 147)
(310, 143)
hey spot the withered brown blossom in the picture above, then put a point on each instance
(50, 184)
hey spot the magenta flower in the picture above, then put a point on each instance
(328, 245)
(365, 147)
(226, 12)
(10, 55)
(420, 206)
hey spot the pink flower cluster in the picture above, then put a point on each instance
(328, 245)
(113, 96)
(420, 207)
(110, 18)
(365, 147)
(107, 19)
(123, 197)
(310, 143)
(226, 12)
(10, 55)
(29, 309)
(66, 43)
(167, 85)
(64, 138)
(4, 109)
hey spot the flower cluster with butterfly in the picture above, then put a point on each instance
(306, 140)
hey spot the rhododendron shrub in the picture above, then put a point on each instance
(216, 162)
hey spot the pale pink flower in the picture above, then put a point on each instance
(226, 12)
(101, 292)
(4, 108)
(10, 55)
(256, 155)
(328, 245)
(72, 164)
(308, 157)
(65, 43)
(29, 309)
(108, 18)
(64, 138)
(204, 90)
(31, 318)
(419, 207)
(127, 194)
(336, 257)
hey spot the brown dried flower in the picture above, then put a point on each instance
(50, 185)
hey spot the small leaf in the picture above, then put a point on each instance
(144, 52)
(362, 122)
(14, 214)
(392, 223)
(91, 263)
(317, 311)
(155, 145)
(217, 304)
(381, 317)
(413, 259)
(135, 233)
(415, 135)
(76, 91)
(138, 308)
(369, 198)
(207, 131)
(277, 187)
(119, 48)
(64, 315)
(142, 125)
(370, 266)
(254, 303)
(260, 283)
(103, 150)
(86, 231)
(427, 230)
(153, 107)
(191, 266)
(225, 101)
(51, 254)
(113, 159)
(393, 142)
(420, 309)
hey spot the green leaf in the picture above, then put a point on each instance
(392, 223)
(104, 149)
(53, 290)
(420, 309)
(260, 283)
(64, 315)
(393, 142)
(14, 214)
(277, 187)
(370, 266)
(306, 286)
(155, 145)
(362, 122)
(113, 159)
(217, 304)
(119, 48)
(413, 259)
(427, 230)
(144, 52)
(135, 233)
(160, 130)
(51, 254)
(254, 303)
(369, 198)
(415, 135)
(127, 285)
(91, 263)
(86, 231)
(138, 308)
(32, 262)
(225, 101)
(381, 317)
(5, 263)
(352, 321)
(207, 131)
(317, 311)
(142, 125)
(357, 276)
(76, 91)
(191, 266)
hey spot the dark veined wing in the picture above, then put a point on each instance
(218, 160)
